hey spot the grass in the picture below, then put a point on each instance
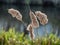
(14, 38)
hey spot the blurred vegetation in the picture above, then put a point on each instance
(27, 1)
(12, 37)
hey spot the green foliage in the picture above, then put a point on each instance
(14, 38)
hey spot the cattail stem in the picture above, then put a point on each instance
(24, 23)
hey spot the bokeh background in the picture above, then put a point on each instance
(50, 7)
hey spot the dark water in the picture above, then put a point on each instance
(53, 13)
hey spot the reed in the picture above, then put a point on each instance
(33, 16)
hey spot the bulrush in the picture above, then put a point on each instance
(42, 17)
(34, 21)
(31, 30)
(15, 13)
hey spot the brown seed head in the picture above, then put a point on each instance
(30, 29)
(15, 13)
(34, 20)
(42, 17)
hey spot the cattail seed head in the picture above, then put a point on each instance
(34, 20)
(15, 13)
(42, 17)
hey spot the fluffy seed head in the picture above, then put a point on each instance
(42, 17)
(30, 29)
(15, 13)
(34, 20)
